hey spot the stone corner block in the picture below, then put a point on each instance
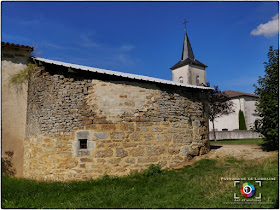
(185, 150)
(82, 135)
(196, 123)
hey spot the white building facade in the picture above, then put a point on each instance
(245, 102)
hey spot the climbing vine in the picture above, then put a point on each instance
(20, 78)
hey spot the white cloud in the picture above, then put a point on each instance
(126, 47)
(87, 42)
(123, 59)
(268, 29)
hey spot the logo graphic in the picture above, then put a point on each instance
(247, 190)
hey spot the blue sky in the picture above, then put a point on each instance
(146, 38)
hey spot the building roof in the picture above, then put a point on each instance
(187, 61)
(119, 74)
(187, 48)
(233, 94)
(187, 55)
(17, 46)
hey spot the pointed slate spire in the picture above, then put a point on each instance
(187, 48)
(187, 54)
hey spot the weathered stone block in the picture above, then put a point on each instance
(157, 129)
(148, 137)
(155, 150)
(176, 125)
(130, 160)
(185, 150)
(129, 144)
(117, 135)
(159, 137)
(83, 153)
(194, 151)
(167, 137)
(173, 149)
(148, 160)
(121, 152)
(142, 129)
(127, 127)
(100, 161)
(100, 135)
(172, 130)
(49, 150)
(135, 152)
(108, 127)
(91, 144)
(196, 123)
(135, 137)
(86, 160)
(104, 153)
(114, 160)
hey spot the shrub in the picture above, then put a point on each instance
(152, 170)
(242, 123)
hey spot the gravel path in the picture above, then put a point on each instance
(246, 152)
(251, 152)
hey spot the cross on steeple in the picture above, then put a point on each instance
(185, 23)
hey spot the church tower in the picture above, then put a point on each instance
(189, 70)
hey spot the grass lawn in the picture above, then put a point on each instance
(194, 186)
(258, 141)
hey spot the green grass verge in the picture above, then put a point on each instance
(194, 186)
(257, 141)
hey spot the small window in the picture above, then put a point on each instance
(197, 80)
(181, 79)
(83, 143)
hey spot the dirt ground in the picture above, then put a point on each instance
(246, 152)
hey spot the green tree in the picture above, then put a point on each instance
(268, 105)
(219, 105)
(242, 123)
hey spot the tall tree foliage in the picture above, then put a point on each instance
(268, 105)
(219, 105)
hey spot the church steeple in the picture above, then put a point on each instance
(187, 54)
(187, 48)
(188, 70)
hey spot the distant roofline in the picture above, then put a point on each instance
(17, 46)
(119, 74)
(234, 94)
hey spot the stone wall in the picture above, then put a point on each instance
(238, 134)
(127, 124)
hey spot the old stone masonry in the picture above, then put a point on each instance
(82, 124)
